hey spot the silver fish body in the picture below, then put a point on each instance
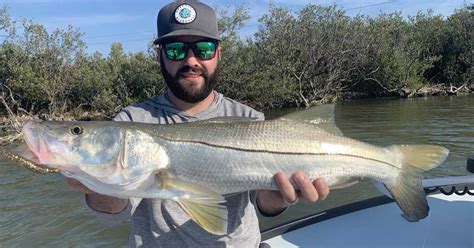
(247, 155)
(196, 163)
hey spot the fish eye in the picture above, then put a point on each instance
(76, 130)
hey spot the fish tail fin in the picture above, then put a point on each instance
(407, 189)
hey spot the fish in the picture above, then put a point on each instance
(197, 164)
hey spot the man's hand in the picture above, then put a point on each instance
(101, 203)
(273, 202)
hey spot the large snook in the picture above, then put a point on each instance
(195, 164)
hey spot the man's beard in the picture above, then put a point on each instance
(185, 94)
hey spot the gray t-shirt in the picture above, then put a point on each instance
(162, 223)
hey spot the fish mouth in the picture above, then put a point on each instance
(20, 153)
(36, 141)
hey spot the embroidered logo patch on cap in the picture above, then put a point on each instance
(185, 14)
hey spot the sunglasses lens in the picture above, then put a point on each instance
(175, 50)
(205, 50)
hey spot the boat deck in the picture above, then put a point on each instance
(378, 222)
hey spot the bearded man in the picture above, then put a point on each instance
(189, 52)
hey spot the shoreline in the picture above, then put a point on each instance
(405, 92)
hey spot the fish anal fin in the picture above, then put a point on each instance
(212, 217)
(202, 204)
(345, 182)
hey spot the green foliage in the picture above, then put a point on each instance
(320, 53)
(49, 73)
(456, 65)
(7, 25)
(314, 54)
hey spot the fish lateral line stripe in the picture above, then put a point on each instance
(281, 153)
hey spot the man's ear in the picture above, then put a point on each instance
(220, 52)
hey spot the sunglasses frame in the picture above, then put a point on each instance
(189, 45)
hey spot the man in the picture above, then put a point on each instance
(189, 52)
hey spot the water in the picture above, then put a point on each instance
(42, 211)
(446, 121)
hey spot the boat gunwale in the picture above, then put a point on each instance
(439, 183)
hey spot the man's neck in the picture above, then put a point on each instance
(192, 108)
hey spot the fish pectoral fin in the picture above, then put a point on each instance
(203, 205)
(345, 182)
(206, 212)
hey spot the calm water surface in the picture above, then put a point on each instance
(42, 211)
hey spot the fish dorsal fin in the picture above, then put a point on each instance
(229, 119)
(202, 204)
(321, 116)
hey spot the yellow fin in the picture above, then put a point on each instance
(211, 217)
(345, 182)
(407, 190)
(202, 204)
(423, 157)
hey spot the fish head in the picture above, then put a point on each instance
(65, 145)
(108, 157)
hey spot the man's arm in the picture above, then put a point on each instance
(274, 202)
(101, 203)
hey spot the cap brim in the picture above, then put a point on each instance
(185, 32)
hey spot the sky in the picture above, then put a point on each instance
(133, 22)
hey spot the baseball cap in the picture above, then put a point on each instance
(186, 17)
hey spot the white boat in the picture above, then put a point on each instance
(378, 222)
